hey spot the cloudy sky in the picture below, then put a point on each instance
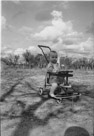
(67, 27)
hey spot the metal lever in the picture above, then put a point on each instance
(41, 46)
(44, 47)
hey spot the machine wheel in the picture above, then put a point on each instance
(59, 101)
(40, 91)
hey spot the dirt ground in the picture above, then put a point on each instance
(41, 116)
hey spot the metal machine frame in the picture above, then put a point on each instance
(64, 91)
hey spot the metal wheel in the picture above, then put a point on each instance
(40, 91)
(59, 101)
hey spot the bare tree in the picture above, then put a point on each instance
(29, 58)
(11, 60)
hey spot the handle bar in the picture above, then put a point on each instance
(44, 47)
(41, 46)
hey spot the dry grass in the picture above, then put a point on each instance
(43, 116)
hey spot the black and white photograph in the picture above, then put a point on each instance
(47, 68)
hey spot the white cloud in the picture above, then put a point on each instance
(58, 30)
(3, 22)
(88, 45)
(5, 25)
(25, 30)
(81, 49)
(4, 48)
(85, 48)
(61, 36)
(19, 51)
(9, 52)
(5, 51)
(32, 49)
(56, 14)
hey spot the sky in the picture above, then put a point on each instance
(65, 26)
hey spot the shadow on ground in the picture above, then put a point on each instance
(28, 119)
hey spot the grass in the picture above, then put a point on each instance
(43, 116)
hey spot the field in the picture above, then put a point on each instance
(43, 117)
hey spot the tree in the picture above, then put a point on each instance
(38, 60)
(67, 61)
(11, 60)
(15, 59)
(29, 58)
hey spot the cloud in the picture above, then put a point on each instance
(45, 7)
(72, 38)
(81, 49)
(5, 51)
(56, 14)
(5, 25)
(33, 49)
(19, 51)
(88, 45)
(90, 29)
(59, 30)
(3, 22)
(61, 36)
(5, 48)
(25, 30)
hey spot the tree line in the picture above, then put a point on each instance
(31, 61)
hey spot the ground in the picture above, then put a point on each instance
(41, 116)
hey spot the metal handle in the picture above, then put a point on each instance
(41, 46)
